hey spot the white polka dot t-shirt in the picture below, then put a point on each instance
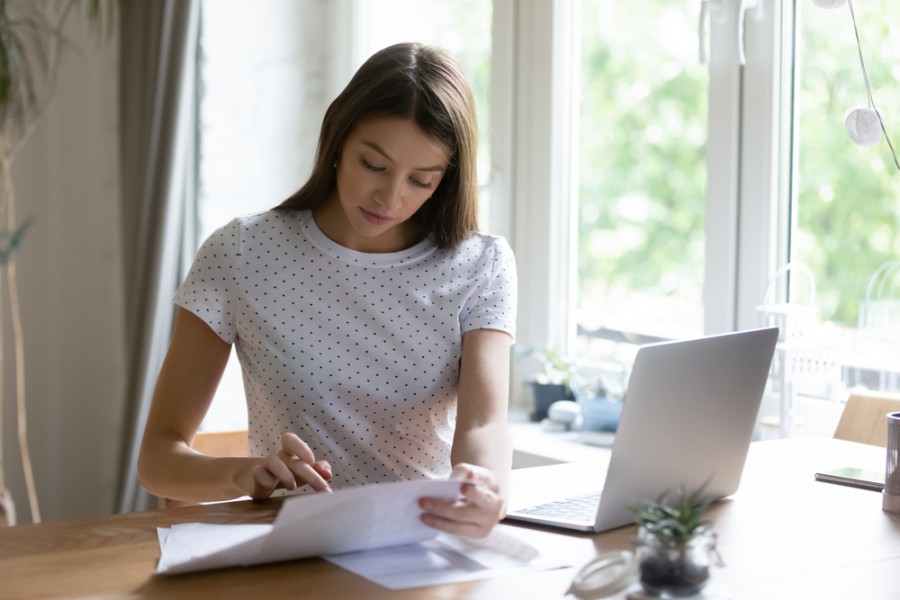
(356, 353)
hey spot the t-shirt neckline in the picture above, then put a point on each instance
(353, 257)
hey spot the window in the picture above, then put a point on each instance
(813, 201)
(767, 165)
(842, 202)
(634, 144)
(642, 169)
(645, 193)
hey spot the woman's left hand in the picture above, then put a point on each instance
(479, 508)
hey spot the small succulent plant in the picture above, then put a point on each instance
(676, 547)
(673, 523)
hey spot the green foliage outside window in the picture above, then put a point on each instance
(848, 197)
(643, 163)
(643, 156)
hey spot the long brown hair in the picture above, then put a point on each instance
(427, 86)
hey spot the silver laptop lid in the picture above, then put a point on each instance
(688, 419)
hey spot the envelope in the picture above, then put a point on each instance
(358, 518)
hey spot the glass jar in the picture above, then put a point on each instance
(673, 569)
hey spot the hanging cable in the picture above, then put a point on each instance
(860, 120)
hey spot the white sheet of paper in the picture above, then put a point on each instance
(348, 520)
(197, 546)
(448, 559)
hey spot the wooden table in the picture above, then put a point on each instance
(783, 535)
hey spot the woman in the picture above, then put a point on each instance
(371, 319)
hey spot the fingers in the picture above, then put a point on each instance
(294, 466)
(264, 483)
(323, 468)
(479, 485)
(475, 513)
(473, 519)
(302, 464)
(293, 445)
(273, 474)
(474, 474)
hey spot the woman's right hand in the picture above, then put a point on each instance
(294, 466)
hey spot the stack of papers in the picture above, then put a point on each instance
(374, 531)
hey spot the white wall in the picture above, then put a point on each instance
(268, 124)
(66, 178)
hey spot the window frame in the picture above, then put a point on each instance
(741, 248)
(762, 238)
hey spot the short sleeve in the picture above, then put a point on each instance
(494, 305)
(209, 290)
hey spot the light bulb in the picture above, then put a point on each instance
(863, 126)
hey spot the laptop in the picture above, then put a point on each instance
(687, 421)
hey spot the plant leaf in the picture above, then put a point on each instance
(9, 243)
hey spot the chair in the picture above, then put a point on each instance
(221, 443)
(863, 419)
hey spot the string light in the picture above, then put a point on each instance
(863, 125)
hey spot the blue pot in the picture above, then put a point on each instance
(599, 414)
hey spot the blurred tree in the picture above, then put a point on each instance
(643, 162)
(847, 196)
(643, 174)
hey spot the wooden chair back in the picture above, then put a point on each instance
(221, 443)
(863, 419)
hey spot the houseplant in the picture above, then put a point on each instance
(32, 45)
(675, 546)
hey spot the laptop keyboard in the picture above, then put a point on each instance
(578, 508)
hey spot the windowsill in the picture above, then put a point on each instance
(533, 446)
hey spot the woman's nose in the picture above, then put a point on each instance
(390, 194)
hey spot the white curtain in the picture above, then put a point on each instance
(158, 145)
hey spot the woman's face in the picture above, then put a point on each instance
(388, 169)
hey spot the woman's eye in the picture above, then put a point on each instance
(370, 166)
(422, 185)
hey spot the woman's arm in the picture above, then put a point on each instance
(481, 451)
(169, 468)
(482, 434)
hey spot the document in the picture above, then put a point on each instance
(450, 559)
(373, 531)
(349, 520)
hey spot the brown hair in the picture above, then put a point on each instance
(427, 86)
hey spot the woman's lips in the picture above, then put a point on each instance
(375, 218)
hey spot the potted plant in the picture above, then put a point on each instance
(553, 383)
(675, 546)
